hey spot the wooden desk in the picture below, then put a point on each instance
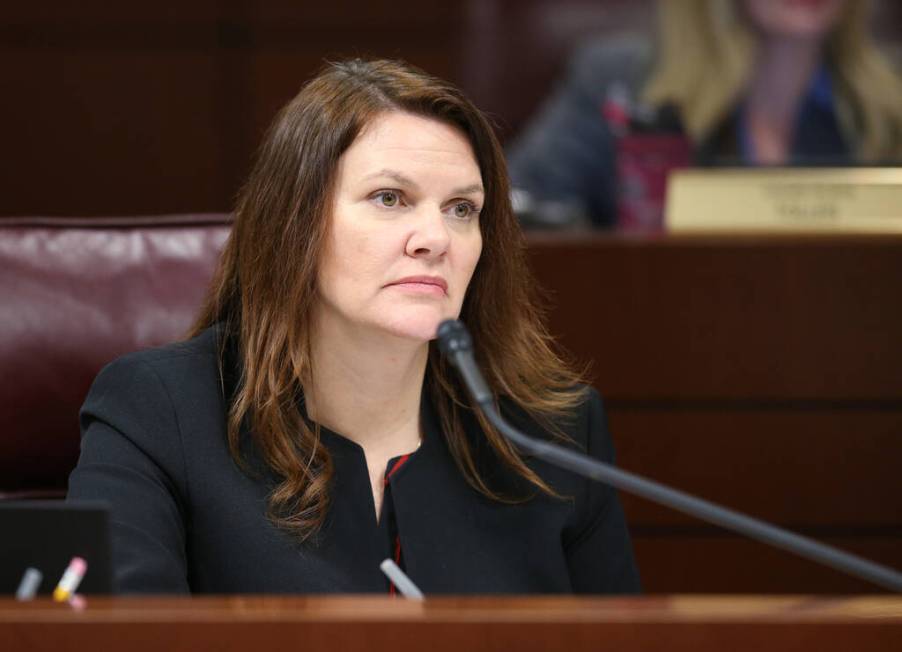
(761, 372)
(264, 624)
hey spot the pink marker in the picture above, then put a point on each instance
(70, 580)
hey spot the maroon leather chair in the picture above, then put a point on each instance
(74, 294)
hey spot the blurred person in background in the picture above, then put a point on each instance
(742, 82)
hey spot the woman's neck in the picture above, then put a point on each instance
(367, 388)
(782, 73)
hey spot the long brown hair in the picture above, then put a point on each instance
(706, 50)
(266, 285)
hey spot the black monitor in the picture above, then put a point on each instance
(46, 535)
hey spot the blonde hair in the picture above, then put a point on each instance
(706, 50)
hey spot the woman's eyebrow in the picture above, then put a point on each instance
(393, 174)
(404, 180)
(469, 190)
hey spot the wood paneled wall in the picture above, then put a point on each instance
(148, 108)
(142, 107)
(762, 373)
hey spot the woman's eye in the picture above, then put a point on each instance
(463, 210)
(388, 198)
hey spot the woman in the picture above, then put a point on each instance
(750, 82)
(309, 429)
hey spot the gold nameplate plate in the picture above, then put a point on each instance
(825, 200)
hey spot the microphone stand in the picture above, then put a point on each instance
(456, 344)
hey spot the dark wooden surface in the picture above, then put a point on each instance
(677, 623)
(764, 373)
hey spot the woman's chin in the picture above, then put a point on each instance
(417, 327)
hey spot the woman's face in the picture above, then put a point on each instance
(404, 236)
(809, 19)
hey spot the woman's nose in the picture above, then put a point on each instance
(429, 236)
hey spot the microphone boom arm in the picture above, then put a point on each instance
(455, 342)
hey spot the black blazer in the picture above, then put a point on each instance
(186, 518)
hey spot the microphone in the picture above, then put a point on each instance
(456, 344)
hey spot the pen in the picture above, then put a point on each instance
(404, 584)
(28, 587)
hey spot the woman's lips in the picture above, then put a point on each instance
(434, 285)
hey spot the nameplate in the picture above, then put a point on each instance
(843, 200)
